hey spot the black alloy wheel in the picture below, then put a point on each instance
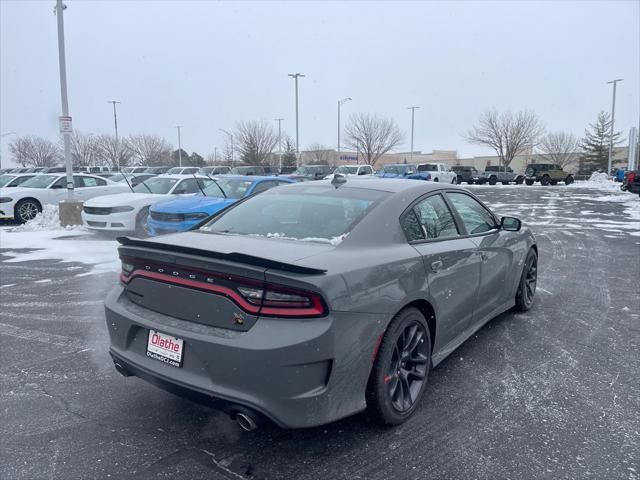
(528, 282)
(407, 369)
(401, 368)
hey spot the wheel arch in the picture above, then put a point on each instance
(34, 199)
(424, 307)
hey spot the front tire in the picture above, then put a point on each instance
(401, 370)
(435, 180)
(529, 181)
(545, 180)
(493, 180)
(27, 209)
(568, 180)
(528, 282)
(141, 222)
(519, 180)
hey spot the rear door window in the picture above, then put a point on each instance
(435, 218)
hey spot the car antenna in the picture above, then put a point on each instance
(338, 179)
(198, 183)
(217, 184)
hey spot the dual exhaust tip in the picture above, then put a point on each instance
(245, 418)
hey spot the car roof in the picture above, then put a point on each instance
(254, 178)
(391, 185)
(179, 175)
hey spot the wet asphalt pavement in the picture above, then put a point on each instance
(553, 393)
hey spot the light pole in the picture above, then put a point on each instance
(295, 76)
(2, 136)
(115, 126)
(178, 127)
(279, 120)
(613, 119)
(63, 94)
(340, 102)
(231, 138)
(413, 111)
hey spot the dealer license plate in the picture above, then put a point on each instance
(165, 348)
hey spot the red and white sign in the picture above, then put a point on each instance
(165, 348)
(66, 128)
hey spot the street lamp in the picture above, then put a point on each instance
(340, 102)
(178, 127)
(279, 120)
(295, 76)
(413, 111)
(62, 62)
(231, 138)
(613, 119)
(115, 126)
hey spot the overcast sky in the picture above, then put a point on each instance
(206, 65)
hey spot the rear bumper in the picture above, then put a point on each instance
(298, 373)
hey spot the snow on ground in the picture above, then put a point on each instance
(44, 239)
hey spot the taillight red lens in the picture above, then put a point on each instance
(631, 177)
(250, 295)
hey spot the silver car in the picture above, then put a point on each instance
(314, 301)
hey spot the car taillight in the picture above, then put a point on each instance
(253, 296)
(631, 177)
(276, 300)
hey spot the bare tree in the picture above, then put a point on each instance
(506, 133)
(373, 136)
(112, 153)
(84, 149)
(149, 149)
(560, 148)
(319, 154)
(255, 140)
(35, 151)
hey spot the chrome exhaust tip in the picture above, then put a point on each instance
(121, 369)
(246, 422)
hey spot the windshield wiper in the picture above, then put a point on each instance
(142, 182)
(217, 185)
(124, 176)
(198, 183)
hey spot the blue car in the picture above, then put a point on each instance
(181, 214)
(397, 170)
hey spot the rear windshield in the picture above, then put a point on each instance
(320, 214)
(427, 167)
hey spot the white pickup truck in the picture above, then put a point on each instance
(436, 172)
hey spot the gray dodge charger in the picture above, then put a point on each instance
(313, 301)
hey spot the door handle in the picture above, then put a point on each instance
(436, 266)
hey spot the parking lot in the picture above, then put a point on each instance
(552, 393)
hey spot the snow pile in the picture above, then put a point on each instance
(48, 219)
(598, 177)
(335, 241)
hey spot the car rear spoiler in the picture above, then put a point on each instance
(232, 257)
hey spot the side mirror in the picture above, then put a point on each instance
(510, 224)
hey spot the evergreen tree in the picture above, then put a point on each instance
(289, 154)
(595, 143)
(196, 160)
(175, 158)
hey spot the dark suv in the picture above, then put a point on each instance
(247, 170)
(631, 182)
(546, 173)
(466, 174)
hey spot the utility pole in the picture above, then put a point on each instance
(60, 7)
(279, 120)
(413, 111)
(295, 76)
(340, 102)
(115, 126)
(178, 127)
(613, 119)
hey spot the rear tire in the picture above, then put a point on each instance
(27, 209)
(459, 180)
(528, 281)
(519, 180)
(493, 180)
(529, 181)
(568, 180)
(435, 179)
(545, 180)
(401, 370)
